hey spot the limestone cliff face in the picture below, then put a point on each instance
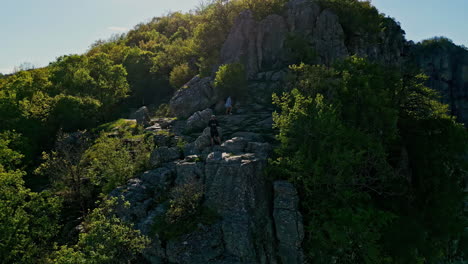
(260, 45)
(447, 68)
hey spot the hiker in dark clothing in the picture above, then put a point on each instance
(213, 124)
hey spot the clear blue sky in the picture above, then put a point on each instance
(38, 31)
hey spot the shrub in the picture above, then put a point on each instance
(185, 202)
(231, 80)
(106, 239)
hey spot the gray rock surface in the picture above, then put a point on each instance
(447, 68)
(199, 120)
(142, 116)
(188, 172)
(203, 246)
(256, 44)
(328, 38)
(302, 16)
(238, 191)
(164, 154)
(198, 94)
(261, 149)
(204, 140)
(288, 223)
(234, 145)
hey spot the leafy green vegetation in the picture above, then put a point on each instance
(231, 80)
(29, 220)
(378, 162)
(106, 239)
(185, 212)
(180, 75)
(361, 19)
(374, 155)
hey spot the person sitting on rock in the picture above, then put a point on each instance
(213, 124)
(228, 106)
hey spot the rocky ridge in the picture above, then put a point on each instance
(258, 220)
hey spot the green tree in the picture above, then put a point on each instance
(9, 158)
(231, 80)
(346, 134)
(106, 240)
(180, 75)
(72, 113)
(28, 220)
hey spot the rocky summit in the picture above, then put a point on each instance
(257, 219)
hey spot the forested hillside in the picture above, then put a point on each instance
(347, 143)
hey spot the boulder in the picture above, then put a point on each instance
(204, 140)
(164, 154)
(164, 138)
(199, 120)
(234, 145)
(196, 95)
(142, 116)
(288, 223)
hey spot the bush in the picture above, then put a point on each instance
(28, 220)
(185, 202)
(106, 239)
(185, 212)
(180, 75)
(231, 80)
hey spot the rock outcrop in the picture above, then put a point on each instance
(288, 223)
(197, 95)
(142, 116)
(198, 120)
(164, 154)
(447, 67)
(261, 45)
(257, 220)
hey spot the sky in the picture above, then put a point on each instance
(39, 31)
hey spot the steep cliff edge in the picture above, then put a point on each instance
(446, 65)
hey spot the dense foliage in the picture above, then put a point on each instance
(378, 161)
(231, 80)
(106, 239)
(29, 221)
